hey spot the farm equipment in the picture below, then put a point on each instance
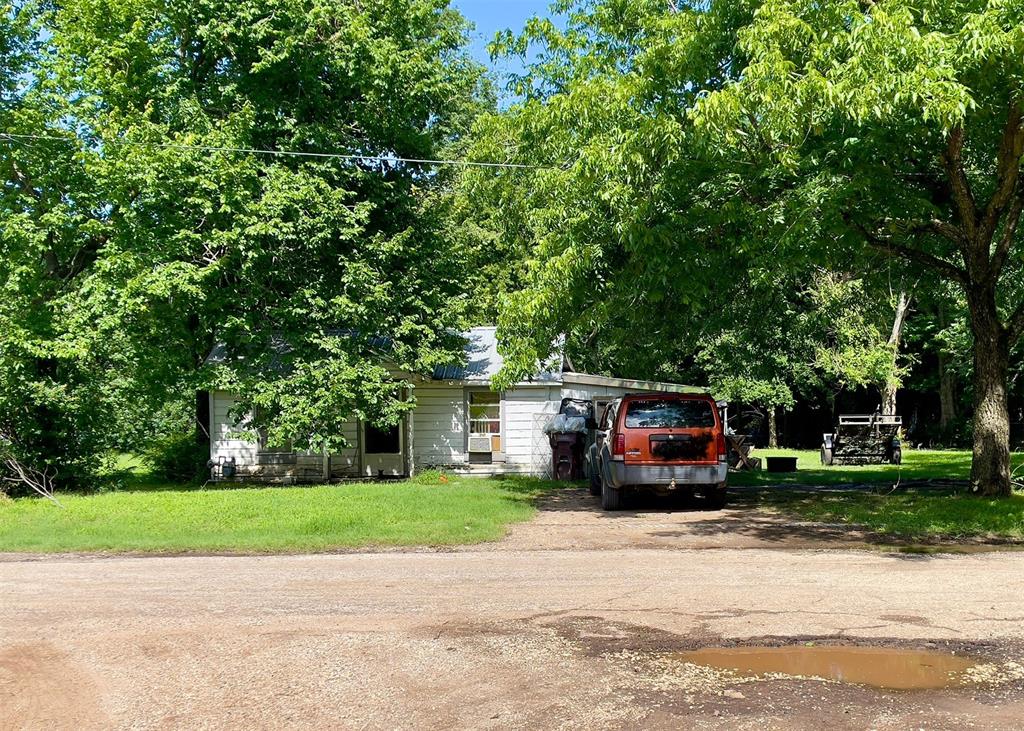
(864, 439)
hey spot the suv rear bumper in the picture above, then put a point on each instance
(622, 474)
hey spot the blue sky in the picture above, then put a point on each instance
(491, 16)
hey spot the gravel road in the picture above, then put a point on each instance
(492, 638)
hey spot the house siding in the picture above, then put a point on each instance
(226, 438)
(526, 410)
(228, 442)
(439, 426)
(345, 462)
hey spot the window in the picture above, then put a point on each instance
(382, 441)
(660, 413)
(484, 442)
(484, 412)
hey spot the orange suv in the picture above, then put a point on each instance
(662, 442)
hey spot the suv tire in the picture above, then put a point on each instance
(611, 499)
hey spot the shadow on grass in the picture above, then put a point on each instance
(908, 520)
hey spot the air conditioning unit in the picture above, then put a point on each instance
(479, 444)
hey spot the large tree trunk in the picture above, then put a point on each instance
(773, 428)
(990, 469)
(985, 234)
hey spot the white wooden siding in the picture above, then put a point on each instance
(345, 462)
(439, 426)
(526, 410)
(227, 438)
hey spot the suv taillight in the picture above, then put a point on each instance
(619, 444)
(722, 449)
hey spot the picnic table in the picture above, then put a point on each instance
(740, 446)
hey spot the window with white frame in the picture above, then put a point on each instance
(485, 412)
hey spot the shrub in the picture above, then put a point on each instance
(178, 457)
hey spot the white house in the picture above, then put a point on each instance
(458, 424)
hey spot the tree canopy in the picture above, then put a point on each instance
(690, 149)
(149, 212)
(753, 194)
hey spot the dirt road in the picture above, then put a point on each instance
(490, 639)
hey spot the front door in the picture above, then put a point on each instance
(383, 450)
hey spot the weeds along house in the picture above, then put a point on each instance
(459, 424)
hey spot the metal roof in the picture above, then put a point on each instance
(483, 361)
(481, 355)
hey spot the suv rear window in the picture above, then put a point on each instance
(658, 413)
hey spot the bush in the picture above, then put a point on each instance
(178, 457)
(432, 476)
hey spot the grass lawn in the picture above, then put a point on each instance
(917, 464)
(151, 517)
(910, 513)
(904, 512)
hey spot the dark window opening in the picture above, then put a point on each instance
(669, 414)
(382, 441)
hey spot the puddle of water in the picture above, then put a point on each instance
(879, 667)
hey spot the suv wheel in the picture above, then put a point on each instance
(611, 499)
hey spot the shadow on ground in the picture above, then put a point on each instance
(753, 518)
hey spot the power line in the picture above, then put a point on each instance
(12, 137)
(15, 137)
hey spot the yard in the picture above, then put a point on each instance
(924, 464)
(148, 516)
(897, 501)
(145, 515)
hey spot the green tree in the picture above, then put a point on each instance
(54, 409)
(162, 235)
(685, 140)
(900, 125)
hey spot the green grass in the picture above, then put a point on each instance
(899, 512)
(917, 465)
(912, 514)
(150, 517)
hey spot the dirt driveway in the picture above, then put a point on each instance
(574, 519)
(506, 636)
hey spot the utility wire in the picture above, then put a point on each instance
(12, 137)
